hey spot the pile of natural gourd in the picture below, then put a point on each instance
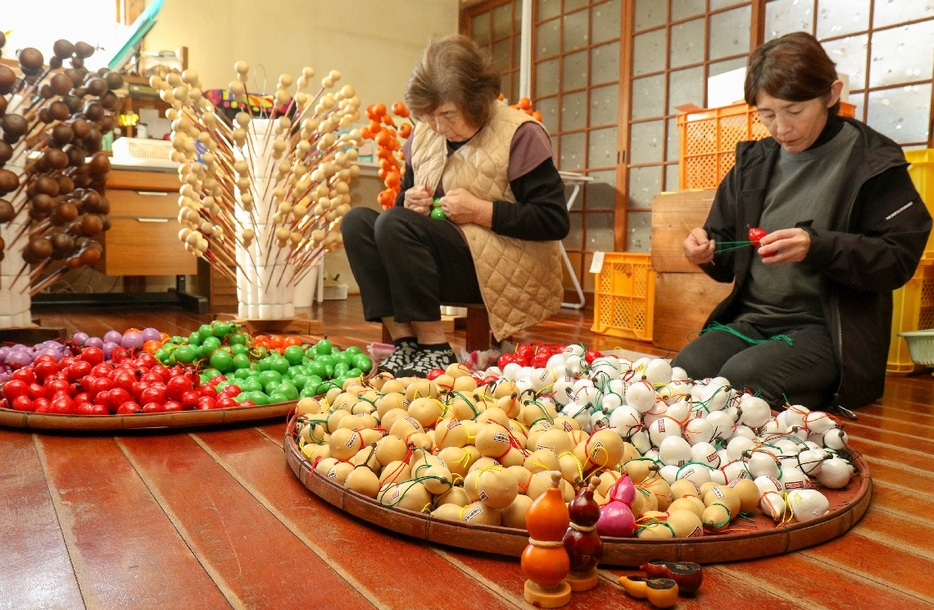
(479, 448)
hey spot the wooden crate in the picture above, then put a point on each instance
(684, 295)
(221, 292)
(682, 303)
(674, 214)
(31, 334)
(300, 324)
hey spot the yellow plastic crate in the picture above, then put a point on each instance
(922, 174)
(709, 138)
(912, 309)
(624, 296)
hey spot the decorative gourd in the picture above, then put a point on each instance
(363, 480)
(514, 515)
(616, 518)
(545, 562)
(582, 541)
(496, 487)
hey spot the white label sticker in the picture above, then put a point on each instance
(596, 265)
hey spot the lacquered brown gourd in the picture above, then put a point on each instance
(582, 541)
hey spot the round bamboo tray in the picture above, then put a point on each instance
(760, 537)
(139, 421)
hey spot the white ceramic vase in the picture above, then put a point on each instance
(265, 277)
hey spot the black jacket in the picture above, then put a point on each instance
(878, 231)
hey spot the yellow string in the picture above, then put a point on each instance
(484, 469)
(598, 449)
(580, 467)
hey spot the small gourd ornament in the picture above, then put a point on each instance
(582, 541)
(544, 561)
(436, 211)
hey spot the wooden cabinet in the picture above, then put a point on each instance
(143, 236)
(221, 292)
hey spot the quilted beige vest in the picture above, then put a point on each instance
(520, 281)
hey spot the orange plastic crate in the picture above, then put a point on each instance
(709, 138)
(912, 309)
(624, 296)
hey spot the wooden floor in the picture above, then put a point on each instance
(214, 518)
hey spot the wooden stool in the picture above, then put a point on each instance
(478, 327)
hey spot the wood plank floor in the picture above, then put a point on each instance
(214, 518)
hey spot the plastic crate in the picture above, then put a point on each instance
(912, 309)
(920, 346)
(334, 291)
(922, 174)
(709, 138)
(624, 296)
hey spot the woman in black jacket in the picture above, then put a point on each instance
(839, 227)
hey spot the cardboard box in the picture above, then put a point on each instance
(682, 303)
(674, 214)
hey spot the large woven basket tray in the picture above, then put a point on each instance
(760, 537)
(138, 421)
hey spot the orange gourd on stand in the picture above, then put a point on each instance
(545, 561)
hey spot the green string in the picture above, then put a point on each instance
(736, 333)
(730, 248)
(723, 247)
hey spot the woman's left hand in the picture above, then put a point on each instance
(461, 207)
(784, 246)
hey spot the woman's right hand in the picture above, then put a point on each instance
(418, 199)
(698, 248)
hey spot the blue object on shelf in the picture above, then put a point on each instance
(138, 31)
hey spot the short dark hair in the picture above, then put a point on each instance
(453, 69)
(794, 68)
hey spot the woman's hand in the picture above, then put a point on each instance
(418, 199)
(784, 246)
(698, 249)
(461, 207)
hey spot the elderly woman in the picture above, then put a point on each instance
(809, 318)
(492, 170)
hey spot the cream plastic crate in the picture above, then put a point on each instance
(920, 346)
(143, 153)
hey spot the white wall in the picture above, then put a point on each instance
(373, 43)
